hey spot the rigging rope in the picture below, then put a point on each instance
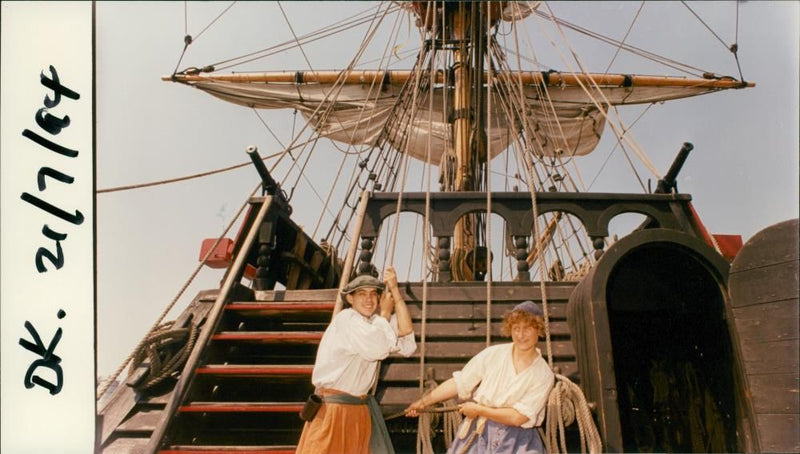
(600, 106)
(564, 389)
(104, 386)
(291, 29)
(621, 43)
(338, 27)
(705, 24)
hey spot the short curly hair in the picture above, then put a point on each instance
(512, 318)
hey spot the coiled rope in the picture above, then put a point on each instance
(158, 348)
(566, 404)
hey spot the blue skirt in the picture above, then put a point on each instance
(501, 439)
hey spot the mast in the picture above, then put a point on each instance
(465, 27)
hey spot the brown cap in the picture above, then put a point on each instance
(362, 281)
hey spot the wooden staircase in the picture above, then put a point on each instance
(254, 374)
(253, 377)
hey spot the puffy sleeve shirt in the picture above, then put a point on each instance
(499, 385)
(352, 346)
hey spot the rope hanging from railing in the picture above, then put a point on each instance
(565, 394)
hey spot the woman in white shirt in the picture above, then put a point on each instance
(509, 385)
(358, 338)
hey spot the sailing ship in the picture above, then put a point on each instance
(469, 154)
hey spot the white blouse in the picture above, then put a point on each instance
(352, 346)
(499, 385)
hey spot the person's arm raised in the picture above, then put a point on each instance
(404, 325)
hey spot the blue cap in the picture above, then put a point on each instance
(529, 307)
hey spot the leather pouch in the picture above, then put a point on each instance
(311, 408)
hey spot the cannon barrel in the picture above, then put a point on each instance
(669, 182)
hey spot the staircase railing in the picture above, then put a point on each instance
(212, 320)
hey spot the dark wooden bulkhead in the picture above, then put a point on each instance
(657, 347)
(764, 295)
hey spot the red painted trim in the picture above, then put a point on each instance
(280, 307)
(288, 336)
(255, 370)
(241, 408)
(700, 226)
(232, 450)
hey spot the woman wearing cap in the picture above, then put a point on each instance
(509, 385)
(349, 419)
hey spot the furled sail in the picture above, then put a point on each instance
(562, 112)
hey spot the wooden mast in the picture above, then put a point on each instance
(464, 234)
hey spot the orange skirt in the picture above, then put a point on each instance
(337, 429)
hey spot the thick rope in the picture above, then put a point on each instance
(427, 421)
(164, 363)
(566, 404)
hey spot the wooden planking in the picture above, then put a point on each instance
(186, 449)
(778, 357)
(467, 349)
(465, 329)
(775, 244)
(444, 371)
(778, 433)
(777, 320)
(293, 309)
(775, 393)
(306, 279)
(272, 337)
(261, 370)
(162, 399)
(325, 295)
(763, 285)
(503, 291)
(294, 268)
(464, 292)
(436, 310)
(117, 409)
(399, 396)
(125, 445)
(144, 420)
(476, 311)
(241, 407)
(124, 399)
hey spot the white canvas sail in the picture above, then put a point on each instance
(562, 114)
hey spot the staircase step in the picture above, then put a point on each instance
(242, 407)
(273, 337)
(272, 309)
(265, 370)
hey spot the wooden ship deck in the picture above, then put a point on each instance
(249, 371)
